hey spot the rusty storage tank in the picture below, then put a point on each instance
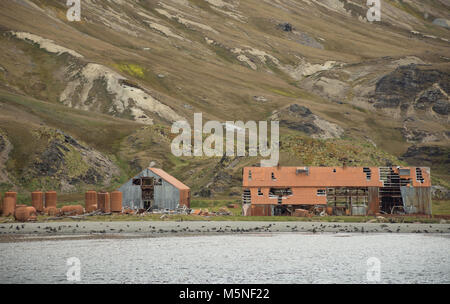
(116, 201)
(72, 210)
(9, 205)
(104, 202)
(51, 211)
(37, 200)
(90, 201)
(50, 199)
(11, 194)
(25, 213)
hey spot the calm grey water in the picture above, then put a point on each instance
(277, 258)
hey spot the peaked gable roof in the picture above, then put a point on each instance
(169, 178)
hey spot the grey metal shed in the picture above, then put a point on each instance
(168, 192)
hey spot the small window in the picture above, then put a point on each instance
(260, 192)
(321, 192)
(334, 170)
(249, 174)
(273, 177)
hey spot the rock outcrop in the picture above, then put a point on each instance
(411, 86)
(66, 163)
(301, 118)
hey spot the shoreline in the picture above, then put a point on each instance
(75, 230)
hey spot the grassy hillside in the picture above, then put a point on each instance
(77, 98)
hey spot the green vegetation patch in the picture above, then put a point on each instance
(131, 69)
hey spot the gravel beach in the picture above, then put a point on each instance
(158, 229)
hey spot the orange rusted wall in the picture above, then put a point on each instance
(50, 199)
(37, 200)
(116, 201)
(185, 197)
(260, 210)
(300, 196)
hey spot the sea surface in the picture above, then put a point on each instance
(257, 258)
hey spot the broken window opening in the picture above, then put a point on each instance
(304, 170)
(419, 176)
(321, 192)
(246, 196)
(277, 192)
(260, 192)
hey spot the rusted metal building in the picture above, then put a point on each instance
(348, 190)
(155, 189)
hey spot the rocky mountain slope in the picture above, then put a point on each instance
(87, 104)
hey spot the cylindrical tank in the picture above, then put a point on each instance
(51, 211)
(116, 201)
(50, 199)
(37, 200)
(72, 210)
(359, 210)
(90, 200)
(104, 203)
(9, 205)
(25, 213)
(11, 194)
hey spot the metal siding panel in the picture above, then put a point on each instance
(167, 196)
(132, 195)
(416, 200)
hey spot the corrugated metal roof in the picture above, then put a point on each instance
(169, 178)
(319, 177)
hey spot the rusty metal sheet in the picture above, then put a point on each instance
(374, 201)
(261, 210)
(416, 200)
